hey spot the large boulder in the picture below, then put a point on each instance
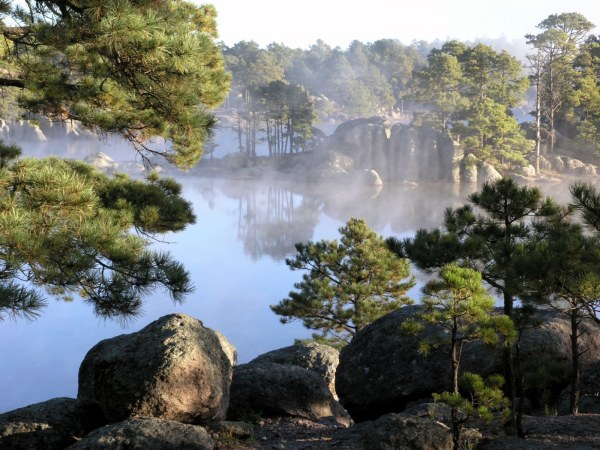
(147, 434)
(381, 370)
(173, 369)
(365, 140)
(392, 432)
(319, 358)
(53, 424)
(282, 390)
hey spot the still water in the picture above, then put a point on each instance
(236, 255)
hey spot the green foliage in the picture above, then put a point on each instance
(562, 85)
(349, 284)
(458, 304)
(541, 375)
(8, 153)
(142, 69)
(289, 114)
(483, 399)
(471, 91)
(68, 229)
(364, 80)
(488, 242)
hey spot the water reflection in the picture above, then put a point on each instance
(271, 219)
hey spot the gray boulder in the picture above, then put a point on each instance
(381, 371)
(393, 432)
(53, 424)
(173, 369)
(488, 174)
(147, 434)
(276, 390)
(319, 358)
(228, 348)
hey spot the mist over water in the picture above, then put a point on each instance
(236, 256)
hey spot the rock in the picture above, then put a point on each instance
(488, 174)
(395, 431)
(588, 170)
(429, 410)
(147, 434)
(319, 358)
(381, 371)
(364, 140)
(282, 390)
(572, 165)
(512, 443)
(526, 171)
(557, 163)
(53, 424)
(469, 168)
(230, 430)
(173, 369)
(101, 161)
(228, 348)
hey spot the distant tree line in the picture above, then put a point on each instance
(469, 91)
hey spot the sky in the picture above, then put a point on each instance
(300, 24)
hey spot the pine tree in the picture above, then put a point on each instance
(349, 284)
(560, 270)
(458, 304)
(143, 69)
(67, 228)
(489, 243)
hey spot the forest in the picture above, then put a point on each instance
(499, 108)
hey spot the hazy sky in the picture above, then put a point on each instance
(302, 22)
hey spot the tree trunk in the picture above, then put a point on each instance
(576, 370)
(456, 428)
(538, 120)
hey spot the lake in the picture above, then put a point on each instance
(236, 255)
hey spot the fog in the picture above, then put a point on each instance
(235, 254)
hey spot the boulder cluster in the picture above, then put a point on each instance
(176, 384)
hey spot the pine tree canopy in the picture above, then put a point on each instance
(143, 69)
(348, 284)
(68, 229)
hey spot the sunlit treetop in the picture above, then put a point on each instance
(143, 69)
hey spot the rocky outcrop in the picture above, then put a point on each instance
(401, 152)
(282, 390)
(319, 358)
(51, 425)
(104, 163)
(380, 371)
(395, 431)
(173, 369)
(147, 434)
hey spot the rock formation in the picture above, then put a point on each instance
(395, 431)
(319, 358)
(282, 390)
(147, 434)
(381, 370)
(173, 369)
(51, 425)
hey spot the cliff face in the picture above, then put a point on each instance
(400, 152)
